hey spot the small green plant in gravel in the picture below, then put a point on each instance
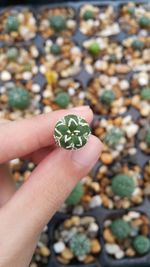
(12, 54)
(76, 195)
(145, 93)
(141, 244)
(120, 228)
(147, 137)
(62, 99)
(123, 185)
(113, 137)
(12, 24)
(58, 23)
(107, 97)
(18, 98)
(80, 245)
(88, 14)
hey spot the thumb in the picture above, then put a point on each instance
(40, 197)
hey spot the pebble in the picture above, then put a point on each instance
(95, 202)
(106, 158)
(59, 247)
(5, 75)
(108, 236)
(95, 246)
(27, 75)
(131, 130)
(79, 210)
(119, 254)
(133, 214)
(67, 254)
(112, 249)
(45, 252)
(87, 220)
(93, 227)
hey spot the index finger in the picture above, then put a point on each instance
(20, 138)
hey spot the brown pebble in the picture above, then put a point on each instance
(75, 220)
(106, 158)
(95, 246)
(45, 251)
(62, 260)
(67, 254)
(89, 259)
(108, 236)
(145, 229)
(130, 252)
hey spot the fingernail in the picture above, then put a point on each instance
(79, 108)
(89, 154)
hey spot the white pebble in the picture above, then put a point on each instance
(34, 52)
(59, 247)
(81, 95)
(93, 227)
(107, 223)
(5, 75)
(89, 68)
(131, 130)
(119, 254)
(42, 69)
(133, 214)
(60, 41)
(47, 109)
(95, 202)
(27, 75)
(124, 85)
(112, 248)
(71, 91)
(36, 88)
(49, 43)
(71, 24)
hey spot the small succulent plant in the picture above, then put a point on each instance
(107, 97)
(94, 49)
(62, 99)
(120, 228)
(145, 93)
(141, 244)
(55, 49)
(144, 22)
(123, 185)
(58, 23)
(12, 54)
(71, 132)
(137, 44)
(18, 98)
(80, 245)
(12, 24)
(88, 14)
(113, 136)
(147, 137)
(76, 195)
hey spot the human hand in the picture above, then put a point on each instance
(24, 215)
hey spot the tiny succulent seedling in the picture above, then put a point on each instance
(71, 132)
(147, 137)
(12, 24)
(94, 49)
(113, 136)
(141, 244)
(145, 93)
(88, 14)
(58, 23)
(12, 54)
(123, 185)
(120, 228)
(18, 98)
(76, 195)
(107, 97)
(80, 245)
(62, 99)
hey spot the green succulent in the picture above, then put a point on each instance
(18, 98)
(94, 49)
(144, 22)
(145, 93)
(141, 244)
(107, 97)
(123, 185)
(137, 44)
(76, 195)
(112, 58)
(62, 99)
(58, 23)
(55, 49)
(120, 228)
(88, 14)
(80, 245)
(71, 132)
(12, 54)
(113, 136)
(12, 24)
(147, 137)
(131, 10)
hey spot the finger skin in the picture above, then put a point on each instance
(39, 198)
(20, 138)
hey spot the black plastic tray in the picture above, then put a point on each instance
(99, 213)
